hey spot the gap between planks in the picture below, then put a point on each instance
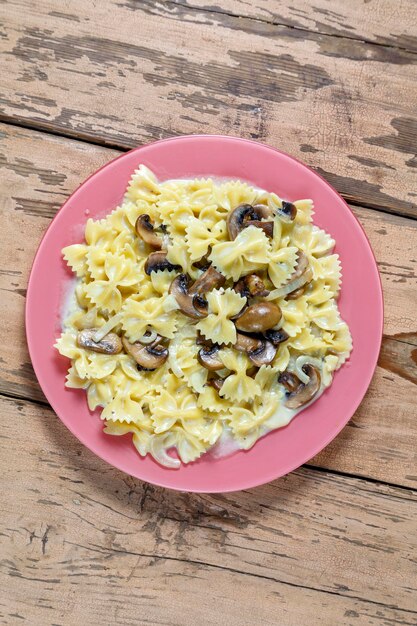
(243, 573)
(50, 129)
(218, 10)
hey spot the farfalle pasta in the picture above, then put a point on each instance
(202, 310)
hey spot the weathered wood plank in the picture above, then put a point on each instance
(40, 171)
(343, 106)
(380, 22)
(93, 544)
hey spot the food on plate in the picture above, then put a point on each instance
(203, 311)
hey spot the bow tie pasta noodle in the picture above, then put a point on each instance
(203, 310)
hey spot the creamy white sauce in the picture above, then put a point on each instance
(69, 304)
(225, 446)
(228, 445)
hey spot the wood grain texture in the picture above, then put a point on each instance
(343, 106)
(382, 22)
(40, 171)
(83, 543)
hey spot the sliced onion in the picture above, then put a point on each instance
(148, 337)
(173, 359)
(306, 360)
(289, 287)
(108, 326)
(160, 452)
(89, 320)
(170, 303)
(165, 241)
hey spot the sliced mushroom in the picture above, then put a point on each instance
(211, 279)
(246, 215)
(303, 393)
(246, 343)
(267, 227)
(146, 231)
(263, 211)
(290, 381)
(252, 371)
(208, 356)
(287, 212)
(302, 265)
(215, 382)
(157, 261)
(237, 217)
(276, 336)
(202, 264)
(110, 344)
(201, 340)
(259, 317)
(193, 305)
(260, 351)
(251, 286)
(297, 293)
(264, 355)
(147, 357)
(190, 296)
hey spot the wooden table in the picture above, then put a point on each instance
(332, 83)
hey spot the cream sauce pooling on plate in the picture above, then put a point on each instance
(227, 445)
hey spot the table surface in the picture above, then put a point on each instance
(332, 83)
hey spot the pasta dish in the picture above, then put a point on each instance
(204, 312)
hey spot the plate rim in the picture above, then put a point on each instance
(248, 483)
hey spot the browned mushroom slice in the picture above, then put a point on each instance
(287, 212)
(236, 219)
(148, 357)
(290, 381)
(263, 211)
(260, 351)
(276, 336)
(297, 293)
(304, 393)
(193, 305)
(211, 279)
(145, 229)
(203, 263)
(215, 382)
(246, 343)
(208, 357)
(267, 227)
(201, 340)
(157, 261)
(259, 317)
(246, 215)
(263, 355)
(110, 344)
(251, 286)
(302, 265)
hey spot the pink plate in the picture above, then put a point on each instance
(360, 304)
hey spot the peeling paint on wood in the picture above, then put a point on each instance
(340, 104)
(358, 19)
